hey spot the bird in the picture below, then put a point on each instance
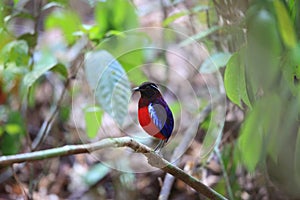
(154, 114)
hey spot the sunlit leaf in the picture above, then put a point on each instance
(13, 129)
(214, 62)
(109, 82)
(93, 117)
(285, 24)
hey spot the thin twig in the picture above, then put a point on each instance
(153, 159)
(224, 172)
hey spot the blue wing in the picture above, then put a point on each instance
(162, 117)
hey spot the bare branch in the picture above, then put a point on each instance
(153, 159)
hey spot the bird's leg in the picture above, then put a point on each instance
(160, 146)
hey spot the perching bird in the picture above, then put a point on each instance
(154, 114)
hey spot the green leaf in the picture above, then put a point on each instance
(285, 24)
(5, 37)
(173, 17)
(214, 62)
(129, 49)
(263, 52)
(43, 62)
(96, 173)
(109, 82)
(16, 52)
(31, 39)
(93, 117)
(200, 36)
(60, 69)
(10, 142)
(117, 15)
(234, 81)
(13, 128)
(67, 21)
(251, 140)
(1, 131)
(16, 2)
(259, 133)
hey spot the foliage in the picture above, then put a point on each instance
(109, 82)
(265, 70)
(24, 64)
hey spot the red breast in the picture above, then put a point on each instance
(147, 123)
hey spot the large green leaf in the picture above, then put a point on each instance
(234, 81)
(256, 138)
(263, 51)
(214, 62)
(285, 24)
(109, 82)
(251, 140)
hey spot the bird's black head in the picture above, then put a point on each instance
(148, 90)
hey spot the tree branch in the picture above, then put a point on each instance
(187, 138)
(153, 159)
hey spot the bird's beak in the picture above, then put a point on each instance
(136, 89)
